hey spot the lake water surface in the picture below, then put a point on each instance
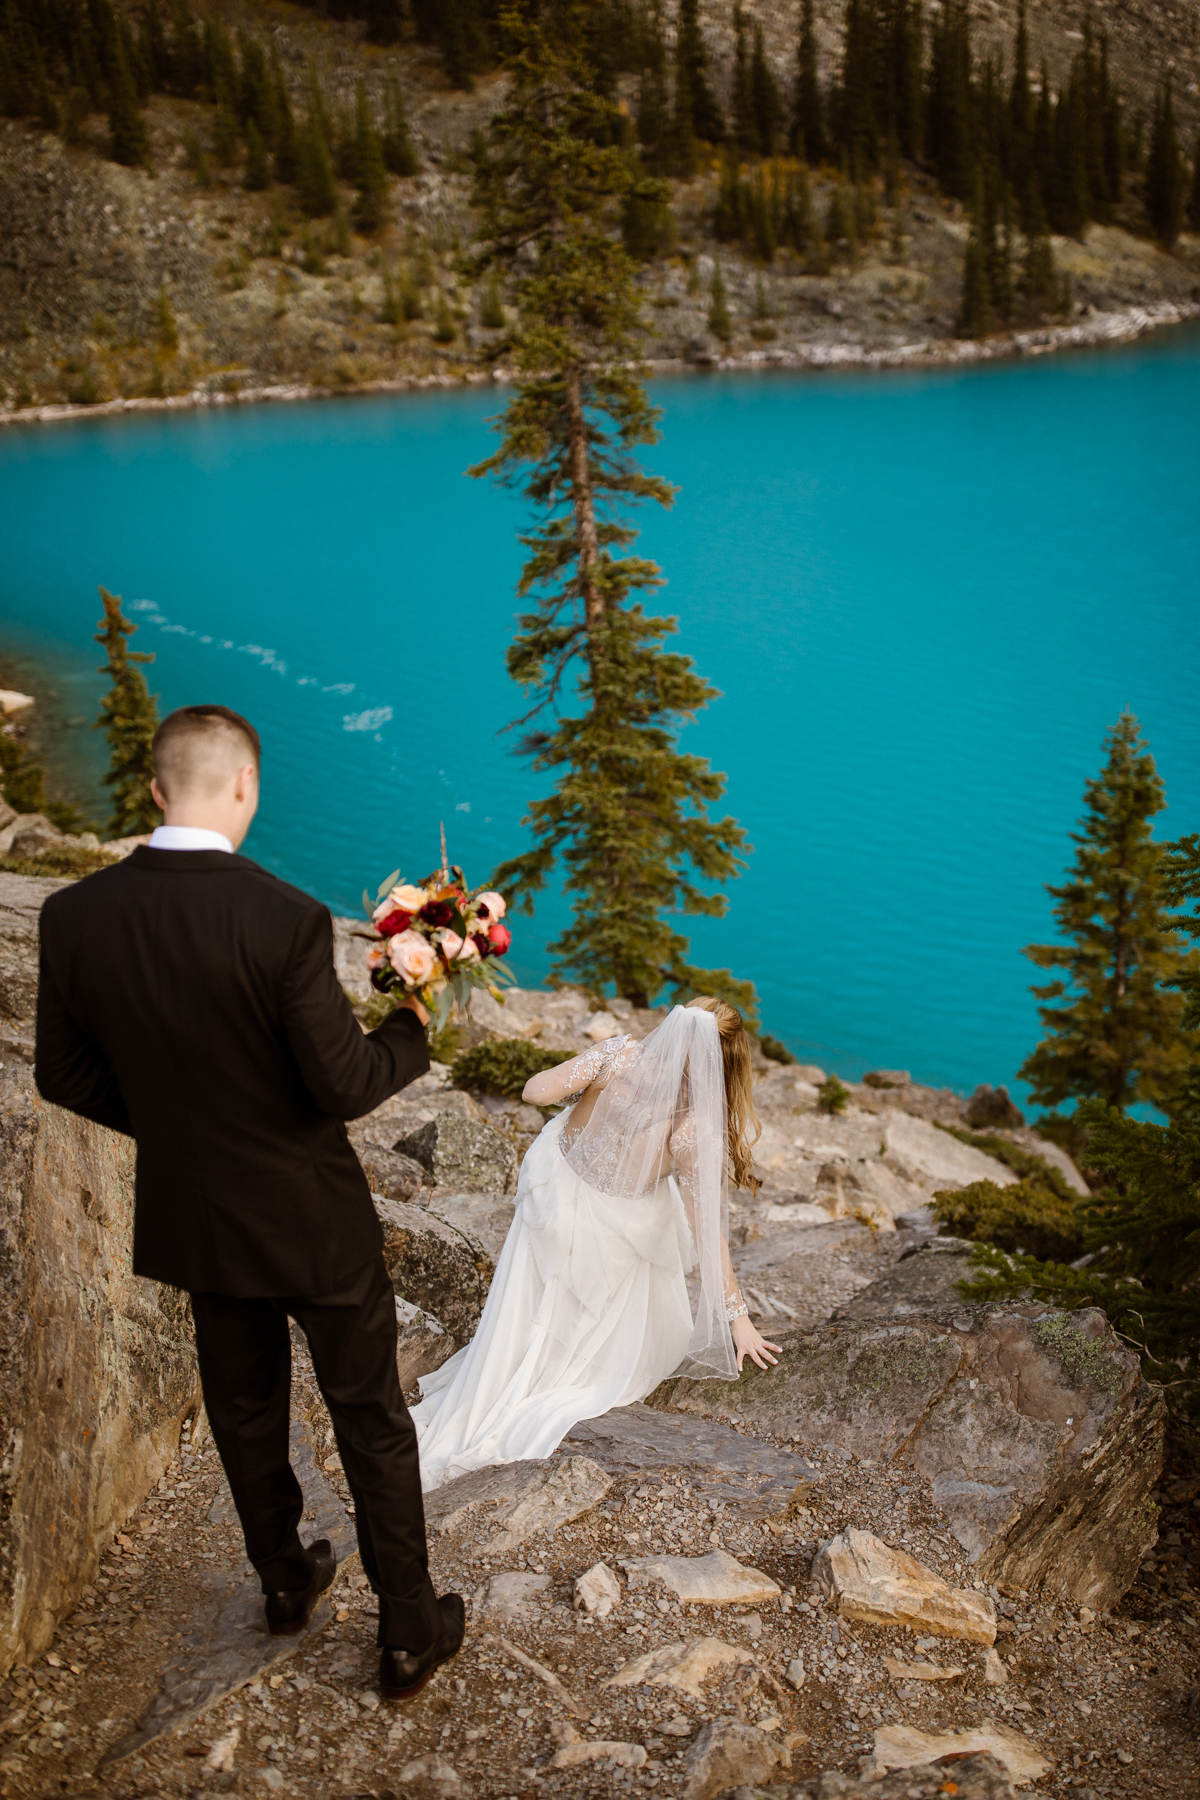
(924, 596)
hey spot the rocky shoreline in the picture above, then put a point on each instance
(1099, 328)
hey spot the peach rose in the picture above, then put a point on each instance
(411, 957)
(450, 942)
(495, 905)
(408, 898)
(375, 957)
(469, 952)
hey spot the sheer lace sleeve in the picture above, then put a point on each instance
(553, 1087)
(683, 1167)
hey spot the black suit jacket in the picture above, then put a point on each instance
(189, 999)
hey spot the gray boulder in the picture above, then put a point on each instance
(978, 1777)
(435, 1266)
(97, 1370)
(394, 1176)
(31, 835)
(1040, 1439)
(21, 900)
(462, 1153)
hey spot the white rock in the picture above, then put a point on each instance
(597, 1591)
(918, 1151)
(221, 1756)
(995, 1670)
(602, 1025)
(714, 1580)
(432, 1768)
(589, 1750)
(904, 1747)
(871, 1581)
(12, 703)
(511, 1594)
(795, 1673)
(918, 1671)
(728, 1753)
(684, 1666)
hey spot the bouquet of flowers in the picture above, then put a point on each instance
(437, 939)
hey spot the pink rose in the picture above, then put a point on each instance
(469, 951)
(411, 957)
(491, 906)
(450, 943)
(500, 937)
(375, 957)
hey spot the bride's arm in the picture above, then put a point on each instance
(568, 1079)
(747, 1340)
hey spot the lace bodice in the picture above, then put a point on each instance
(626, 1148)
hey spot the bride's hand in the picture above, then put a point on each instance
(748, 1341)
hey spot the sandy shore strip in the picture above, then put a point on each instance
(1097, 329)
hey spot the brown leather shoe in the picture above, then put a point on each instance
(289, 1609)
(403, 1673)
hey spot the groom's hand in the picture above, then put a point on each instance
(410, 1003)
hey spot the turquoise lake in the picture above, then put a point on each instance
(924, 596)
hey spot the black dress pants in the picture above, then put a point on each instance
(245, 1355)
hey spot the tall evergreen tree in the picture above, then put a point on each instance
(128, 718)
(316, 183)
(128, 139)
(1166, 182)
(1141, 1228)
(764, 98)
(1194, 193)
(693, 85)
(745, 127)
(976, 314)
(1115, 1031)
(808, 108)
(370, 174)
(399, 151)
(627, 817)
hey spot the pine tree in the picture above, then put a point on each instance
(767, 109)
(128, 139)
(128, 718)
(975, 316)
(166, 329)
(654, 122)
(1115, 1032)
(719, 321)
(258, 169)
(1141, 1229)
(745, 126)
(1194, 196)
(627, 817)
(399, 151)
(808, 111)
(693, 89)
(370, 175)
(1166, 186)
(315, 180)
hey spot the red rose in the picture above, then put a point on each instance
(437, 912)
(500, 937)
(394, 923)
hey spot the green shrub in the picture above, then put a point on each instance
(503, 1065)
(775, 1051)
(1030, 1216)
(832, 1095)
(69, 859)
(1021, 1161)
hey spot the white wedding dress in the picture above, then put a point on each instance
(619, 1198)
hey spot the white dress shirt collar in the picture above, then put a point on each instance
(188, 837)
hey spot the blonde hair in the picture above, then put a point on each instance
(743, 1122)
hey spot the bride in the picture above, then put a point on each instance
(621, 1196)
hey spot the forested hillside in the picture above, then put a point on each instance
(234, 195)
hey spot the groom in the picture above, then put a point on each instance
(188, 999)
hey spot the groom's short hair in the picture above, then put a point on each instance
(197, 748)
